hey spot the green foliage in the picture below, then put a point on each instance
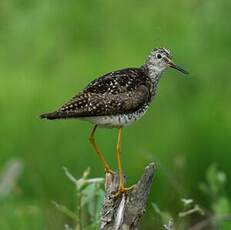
(190, 208)
(218, 216)
(215, 182)
(170, 223)
(89, 197)
(49, 50)
(214, 188)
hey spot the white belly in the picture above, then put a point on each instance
(116, 120)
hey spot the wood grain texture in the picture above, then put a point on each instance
(125, 212)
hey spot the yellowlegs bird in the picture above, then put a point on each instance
(117, 99)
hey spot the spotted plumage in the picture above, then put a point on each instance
(118, 98)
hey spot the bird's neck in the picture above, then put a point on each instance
(155, 75)
(153, 72)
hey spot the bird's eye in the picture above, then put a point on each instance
(159, 56)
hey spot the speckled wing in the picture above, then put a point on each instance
(119, 92)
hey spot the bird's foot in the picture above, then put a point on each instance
(108, 170)
(123, 190)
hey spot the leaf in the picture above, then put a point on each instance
(100, 197)
(65, 210)
(67, 227)
(169, 225)
(86, 173)
(80, 183)
(88, 193)
(165, 216)
(222, 206)
(216, 179)
(187, 202)
(94, 207)
(195, 209)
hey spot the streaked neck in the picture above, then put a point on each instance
(154, 75)
(153, 72)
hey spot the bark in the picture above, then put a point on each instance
(125, 211)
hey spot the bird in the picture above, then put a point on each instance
(116, 100)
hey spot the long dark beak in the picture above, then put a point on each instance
(174, 66)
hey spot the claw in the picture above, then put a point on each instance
(108, 170)
(123, 190)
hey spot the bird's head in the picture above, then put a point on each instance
(160, 59)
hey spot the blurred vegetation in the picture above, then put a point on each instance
(51, 49)
(217, 215)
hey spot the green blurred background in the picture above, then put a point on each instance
(50, 50)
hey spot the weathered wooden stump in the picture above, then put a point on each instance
(125, 211)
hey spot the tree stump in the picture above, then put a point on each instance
(125, 211)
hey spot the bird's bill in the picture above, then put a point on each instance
(177, 67)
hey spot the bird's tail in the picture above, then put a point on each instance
(50, 116)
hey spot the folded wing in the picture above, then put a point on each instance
(93, 104)
(119, 92)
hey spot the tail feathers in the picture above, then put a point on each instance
(51, 116)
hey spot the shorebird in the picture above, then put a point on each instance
(117, 99)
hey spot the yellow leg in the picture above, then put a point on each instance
(99, 154)
(122, 189)
(118, 153)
